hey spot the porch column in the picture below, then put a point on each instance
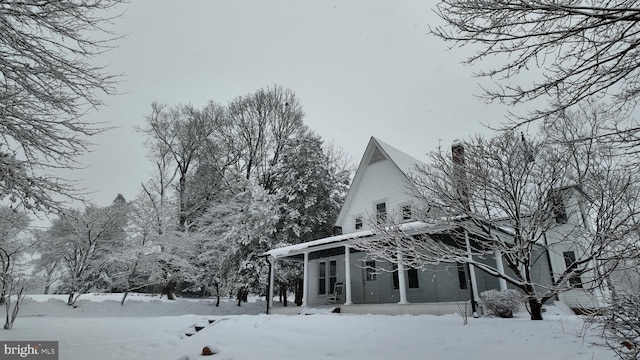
(472, 270)
(347, 274)
(305, 280)
(272, 271)
(402, 281)
(500, 268)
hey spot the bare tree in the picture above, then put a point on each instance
(179, 133)
(259, 127)
(47, 83)
(586, 50)
(512, 197)
(14, 244)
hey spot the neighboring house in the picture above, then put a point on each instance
(381, 189)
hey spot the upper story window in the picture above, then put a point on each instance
(570, 263)
(558, 206)
(358, 224)
(406, 212)
(381, 212)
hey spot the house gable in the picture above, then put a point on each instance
(381, 178)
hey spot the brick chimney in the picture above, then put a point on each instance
(459, 173)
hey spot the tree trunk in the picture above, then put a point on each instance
(298, 291)
(124, 297)
(46, 289)
(536, 309)
(217, 287)
(170, 289)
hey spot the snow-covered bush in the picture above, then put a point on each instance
(502, 303)
(620, 323)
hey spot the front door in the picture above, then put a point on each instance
(370, 277)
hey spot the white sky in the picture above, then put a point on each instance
(360, 69)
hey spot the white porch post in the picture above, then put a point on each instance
(472, 269)
(402, 281)
(500, 268)
(272, 271)
(305, 280)
(347, 274)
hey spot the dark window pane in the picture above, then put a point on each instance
(332, 284)
(332, 268)
(371, 271)
(413, 278)
(570, 262)
(462, 277)
(381, 212)
(358, 223)
(322, 277)
(394, 275)
(558, 207)
(406, 212)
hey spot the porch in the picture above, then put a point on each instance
(435, 308)
(374, 286)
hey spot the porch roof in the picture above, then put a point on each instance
(340, 240)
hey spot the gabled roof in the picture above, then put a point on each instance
(405, 162)
(378, 150)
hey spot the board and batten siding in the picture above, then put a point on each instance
(380, 183)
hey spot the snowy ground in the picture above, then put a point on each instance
(150, 328)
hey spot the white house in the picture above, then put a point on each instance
(381, 188)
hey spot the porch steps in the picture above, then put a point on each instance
(201, 325)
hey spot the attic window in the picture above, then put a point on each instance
(358, 223)
(558, 207)
(381, 212)
(377, 156)
(406, 213)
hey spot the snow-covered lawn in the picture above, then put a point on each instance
(150, 328)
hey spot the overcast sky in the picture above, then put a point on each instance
(360, 69)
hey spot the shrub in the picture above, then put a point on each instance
(620, 322)
(502, 303)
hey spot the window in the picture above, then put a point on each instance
(412, 275)
(558, 207)
(570, 262)
(333, 277)
(406, 212)
(322, 276)
(462, 278)
(381, 213)
(371, 274)
(358, 222)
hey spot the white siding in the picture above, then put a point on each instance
(381, 182)
(567, 237)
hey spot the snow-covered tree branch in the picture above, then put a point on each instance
(48, 82)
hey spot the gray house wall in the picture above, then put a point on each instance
(436, 284)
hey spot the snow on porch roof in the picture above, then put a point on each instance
(298, 248)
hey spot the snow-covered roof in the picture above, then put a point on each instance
(410, 227)
(293, 249)
(405, 162)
